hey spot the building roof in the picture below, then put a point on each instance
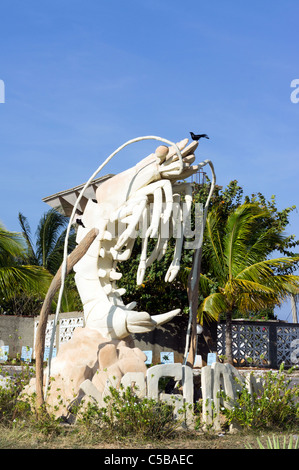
(64, 201)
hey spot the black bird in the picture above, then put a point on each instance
(198, 136)
(79, 222)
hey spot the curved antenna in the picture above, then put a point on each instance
(196, 260)
(64, 262)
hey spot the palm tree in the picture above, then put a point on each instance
(48, 250)
(17, 275)
(242, 277)
(50, 236)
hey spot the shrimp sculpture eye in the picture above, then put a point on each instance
(148, 191)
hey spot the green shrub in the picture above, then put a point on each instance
(18, 410)
(276, 407)
(125, 414)
(10, 407)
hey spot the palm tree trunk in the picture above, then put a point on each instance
(228, 338)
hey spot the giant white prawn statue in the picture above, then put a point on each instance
(122, 207)
(148, 199)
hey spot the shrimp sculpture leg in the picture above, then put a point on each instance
(122, 205)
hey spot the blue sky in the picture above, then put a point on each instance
(82, 78)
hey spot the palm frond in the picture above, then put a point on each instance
(254, 302)
(27, 278)
(55, 257)
(213, 306)
(11, 243)
(258, 287)
(240, 286)
(262, 245)
(284, 285)
(238, 231)
(26, 232)
(212, 246)
(263, 271)
(48, 235)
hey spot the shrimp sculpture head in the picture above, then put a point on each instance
(148, 191)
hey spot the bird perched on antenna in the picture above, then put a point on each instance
(79, 222)
(198, 136)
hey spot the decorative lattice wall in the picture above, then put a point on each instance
(261, 344)
(64, 330)
(67, 327)
(49, 329)
(286, 336)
